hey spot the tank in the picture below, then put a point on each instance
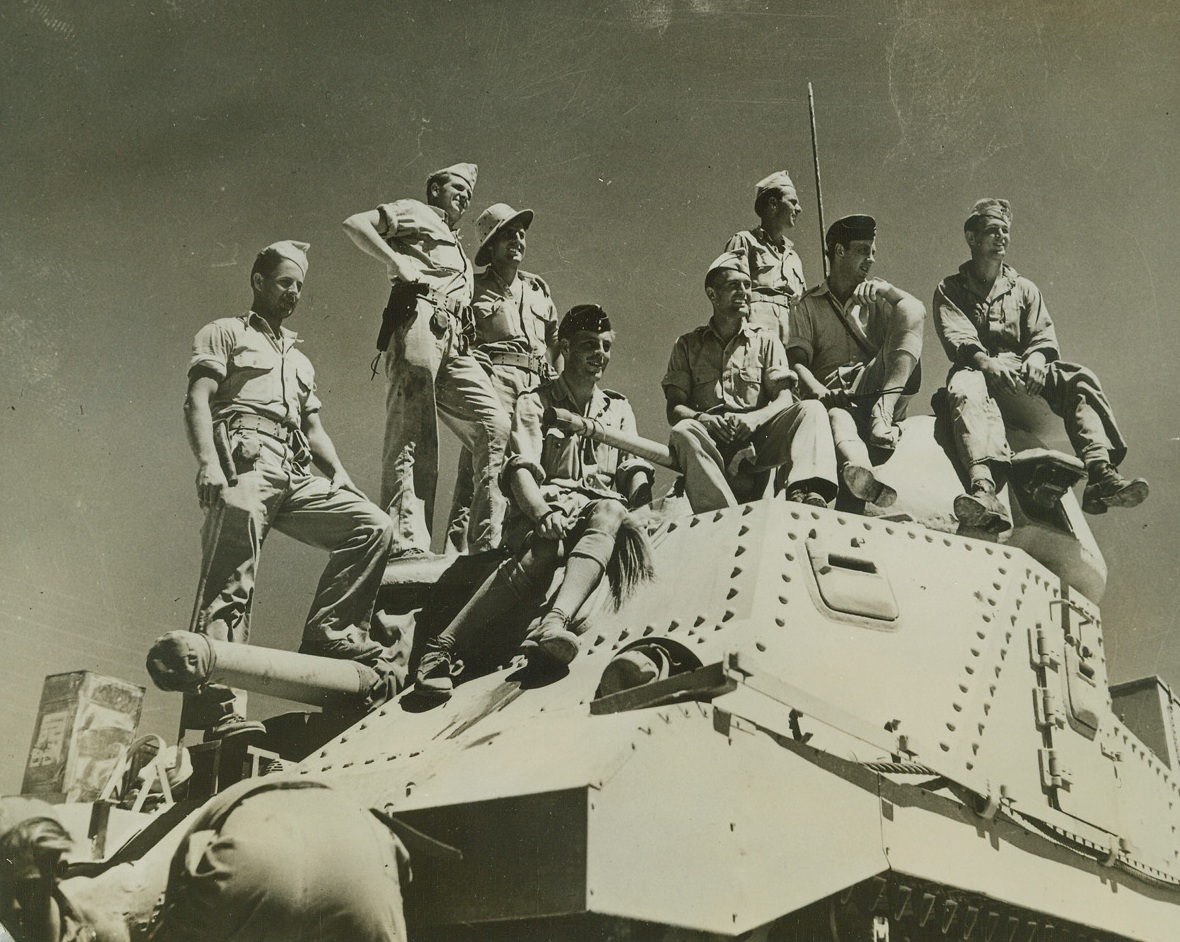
(813, 724)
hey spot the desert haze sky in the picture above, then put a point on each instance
(149, 148)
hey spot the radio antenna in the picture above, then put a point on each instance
(819, 190)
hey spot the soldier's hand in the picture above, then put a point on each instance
(743, 426)
(210, 483)
(341, 481)
(868, 291)
(717, 426)
(554, 525)
(835, 399)
(1002, 372)
(1034, 371)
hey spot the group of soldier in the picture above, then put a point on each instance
(784, 390)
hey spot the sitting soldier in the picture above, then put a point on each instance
(996, 331)
(776, 271)
(729, 401)
(569, 503)
(855, 342)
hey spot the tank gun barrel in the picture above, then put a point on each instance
(575, 424)
(183, 660)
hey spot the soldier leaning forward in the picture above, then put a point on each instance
(427, 362)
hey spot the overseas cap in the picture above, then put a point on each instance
(492, 220)
(465, 172)
(989, 208)
(849, 228)
(583, 317)
(728, 261)
(779, 180)
(292, 251)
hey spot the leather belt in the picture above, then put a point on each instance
(523, 361)
(248, 421)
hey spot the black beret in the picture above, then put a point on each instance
(583, 317)
(849, 228)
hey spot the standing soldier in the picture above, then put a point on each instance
(729, 401)
(996, 331)
(856, 342)
(427, 363)
(253, 421)
(776, 271)
(570, 498)
(515, 326)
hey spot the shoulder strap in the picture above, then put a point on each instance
(860, 342)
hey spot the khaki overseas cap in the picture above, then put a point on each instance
(493, 219)
(290, 250)
(779, 180)
(464, 171)
(989, 208)
(729, 261)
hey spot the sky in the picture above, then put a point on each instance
(148, 150)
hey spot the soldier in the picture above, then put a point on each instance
(996, 331)
(253, 422)
(427, 363)
(570, 500)
(776, 271)
(515, 327)
(729, 401)
(856, 342)
(275, 859)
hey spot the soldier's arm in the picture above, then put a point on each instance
(365, 231)
(323, 454)
(809, 386)
(198, 425)
(958, 336)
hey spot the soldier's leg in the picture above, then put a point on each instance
(852, 458)
(460, 517)
(357, 535)
(981, 445)
(800, 439)
(471, 408)
(1074, 393)
(509, 382)
(703, 467)
(593, 544)
(231, 542)
(409, 464)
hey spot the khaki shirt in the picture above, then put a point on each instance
(773, 269)
(1011, 317)
(568, 462)
(823, 342)
(419, 234)
(258, 373)
(739, 376)
(520, 318)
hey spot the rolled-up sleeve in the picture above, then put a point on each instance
(957, 334)
(776, 371)
(679, 374)
(212, 348)
(802, 333)
(400, 218)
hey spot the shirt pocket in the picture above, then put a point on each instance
(254, 379)
(747, 385)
